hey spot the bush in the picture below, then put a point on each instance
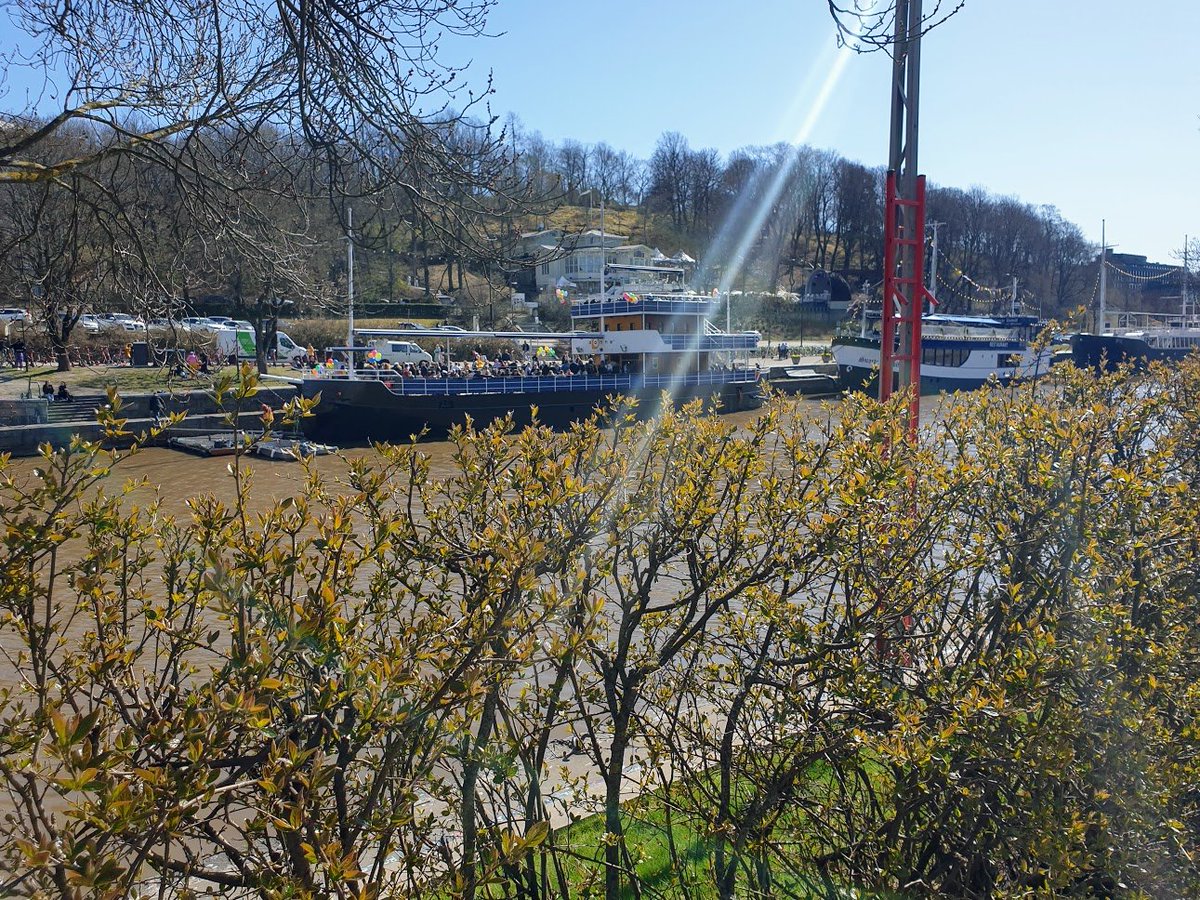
(962, 668)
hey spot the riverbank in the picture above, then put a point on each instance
(16, 384)
(30, 423)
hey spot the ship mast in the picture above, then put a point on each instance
(1103, 278)
(350, 288)
(1185, 282)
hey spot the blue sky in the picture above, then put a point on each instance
(1092, 106)
(1088, 105)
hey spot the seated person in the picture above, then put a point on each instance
(63, 395)
(47, 390)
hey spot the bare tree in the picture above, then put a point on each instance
(573, 164)
(867, 26)
(668, 172)
(74, 242)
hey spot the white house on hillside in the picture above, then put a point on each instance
(577, 259)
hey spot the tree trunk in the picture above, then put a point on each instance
(58, 343)
(470, 824)
(612, 814)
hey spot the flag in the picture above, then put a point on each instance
(632, 298)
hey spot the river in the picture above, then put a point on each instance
(180, 476)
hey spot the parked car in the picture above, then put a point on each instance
(449, 328)
(89, 323)
(116, 322)
(15, 314)
(121, 322)
(206, 324)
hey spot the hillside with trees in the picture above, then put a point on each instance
(784, 210)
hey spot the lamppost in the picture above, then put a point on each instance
(603, 260)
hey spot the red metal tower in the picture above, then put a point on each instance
(904, 292)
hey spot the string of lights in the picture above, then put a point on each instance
(1134, 277)
(994, 298)
(994, 291)
(954, 290)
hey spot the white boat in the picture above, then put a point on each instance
(957, 352)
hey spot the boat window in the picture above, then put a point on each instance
(944, 356)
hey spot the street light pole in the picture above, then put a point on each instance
(603, 259)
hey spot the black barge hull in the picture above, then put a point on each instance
(1108, 351)
(365, 411)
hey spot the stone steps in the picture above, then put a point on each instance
(81, 409)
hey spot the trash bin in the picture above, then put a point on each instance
(139, 354)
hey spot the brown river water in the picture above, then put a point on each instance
(180, 476)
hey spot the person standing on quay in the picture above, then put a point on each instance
(156, 407)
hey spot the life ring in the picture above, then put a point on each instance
(595, 344)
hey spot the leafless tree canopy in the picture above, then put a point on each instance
(867, 25)
(359, 82)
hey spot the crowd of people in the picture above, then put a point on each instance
(504, 365)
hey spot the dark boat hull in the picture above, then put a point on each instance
(1108, 351)
(361, 411)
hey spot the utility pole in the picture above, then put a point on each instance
(904, 291)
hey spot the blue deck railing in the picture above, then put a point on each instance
(549, 384)
(647, 303)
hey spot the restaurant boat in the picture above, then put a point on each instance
(957, 352)
(620, 347)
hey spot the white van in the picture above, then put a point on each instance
(400, 352)
(241, 341)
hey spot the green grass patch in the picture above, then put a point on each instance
(671, 856)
